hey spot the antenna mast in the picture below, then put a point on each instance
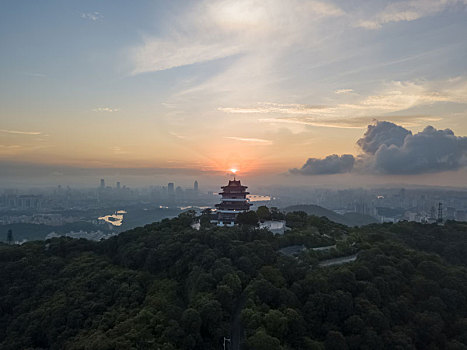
(440, 212)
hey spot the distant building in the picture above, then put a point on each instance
(23, 201)
(195, 186)
(118, 185)
(233, 202)
(171, 189)
(276, 227)
(102, 183)
(179, 192)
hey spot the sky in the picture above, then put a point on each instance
(293, 92)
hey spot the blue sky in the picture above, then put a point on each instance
(210, 85)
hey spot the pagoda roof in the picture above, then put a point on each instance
(234, 183)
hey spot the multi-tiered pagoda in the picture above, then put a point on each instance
(232, 203)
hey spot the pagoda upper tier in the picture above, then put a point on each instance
(234, 187)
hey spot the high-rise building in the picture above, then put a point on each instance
(102, 183)
(118, 185)
(233, 202)
(195, 186)
(171, 188)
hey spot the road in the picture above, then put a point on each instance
(237, 332)
(338, 261)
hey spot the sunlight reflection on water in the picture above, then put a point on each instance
(115, 219)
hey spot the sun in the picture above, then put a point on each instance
(233, 170)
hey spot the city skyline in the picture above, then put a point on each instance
(287, 93)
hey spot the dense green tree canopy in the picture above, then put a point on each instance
(168, 286)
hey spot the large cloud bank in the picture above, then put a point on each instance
(388, 148)
(332, 164)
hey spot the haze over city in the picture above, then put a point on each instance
(292, 93)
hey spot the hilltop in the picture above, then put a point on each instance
(349, 219)
(168, 286)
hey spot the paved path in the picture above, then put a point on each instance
(237, 331)
(338, 261)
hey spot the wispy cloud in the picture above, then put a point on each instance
(263, 142)
(20, 132)
(178, 136)
(222, 28)
(118, 150)
(395, 97)
(408, 11)
(343, 91)
(270, 107)
(105, 109)
(339, 124)
(93, 16)
(10, 146)
(355, 123)
(161, 55)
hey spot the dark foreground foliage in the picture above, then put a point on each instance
(167, 286)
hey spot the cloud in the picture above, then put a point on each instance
(118, 150)
(382, 133)
(157, 55)
(390, 149)
(92, 16)
(393, 97)
(250, 140)
(332, 164)
(217, 29)
(20, 132)
(340, 124)
(428, 151)
(408, 11)
(353, 123)
(343, 91)
(174, 134)
(105, 109)
(278, 108)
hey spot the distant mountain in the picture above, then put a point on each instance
(32, 232)
(349, 219)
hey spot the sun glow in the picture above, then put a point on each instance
(233, 170)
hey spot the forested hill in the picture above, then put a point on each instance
(167, 286)
(349, 219)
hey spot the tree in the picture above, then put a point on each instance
(276, 323)
(276, 214)
(191, 321)
(335, 341)
(9, 236)
(248, 218)
(263, 213)
(262, 341)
